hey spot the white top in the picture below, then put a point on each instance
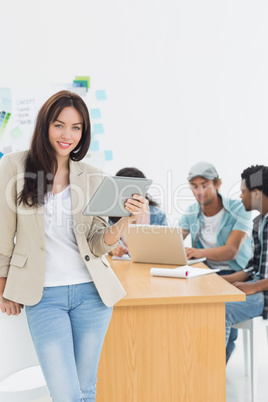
(208, 237)
(64, 263)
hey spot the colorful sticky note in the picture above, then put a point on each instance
(16, 132)
(5, 99)
(81, 91)
(3, 122)
(108, 155)
(2, 117)
(95, 113)
(80, 84)
(77, 84)
(101, 94)
(94, 146)
(84, 79)
(98, 128)
(1, 155)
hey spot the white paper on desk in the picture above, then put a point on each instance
(124, 257)
(182, 272)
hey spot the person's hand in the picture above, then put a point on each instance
(194, 252)
(248, 288)
(119, 250)
(9, 307)
(137, 206)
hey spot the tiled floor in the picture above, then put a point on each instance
(238, 387)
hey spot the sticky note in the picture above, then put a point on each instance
(81, 83)
(84, 79)
(98, 128)
(6, 120)
(94, 146)
(16, 132)
(2, 117)
(5, 99)
(1, 155)
(3, 122)
(95, 113)
(101, 94)
(81, 91)
(108, 155)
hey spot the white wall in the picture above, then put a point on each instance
(186, 80)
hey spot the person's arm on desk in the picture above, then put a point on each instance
(239, 280)
(239, 276)
(252, 287)
(223, 253)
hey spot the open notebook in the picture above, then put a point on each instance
(182, 272)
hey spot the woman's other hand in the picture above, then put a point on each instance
(9, 307)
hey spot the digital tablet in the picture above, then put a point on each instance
(110, 197)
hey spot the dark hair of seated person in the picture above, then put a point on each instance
(256, 177)
(133, 172)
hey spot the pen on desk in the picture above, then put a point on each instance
(122, 244)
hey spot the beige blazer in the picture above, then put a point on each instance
(22, 234)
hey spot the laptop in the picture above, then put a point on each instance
(157, 245)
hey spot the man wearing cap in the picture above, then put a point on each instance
(220, 228)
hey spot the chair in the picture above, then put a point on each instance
(251, 327)
(21, 379)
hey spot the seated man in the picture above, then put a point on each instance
(220, 228)
(253, 280)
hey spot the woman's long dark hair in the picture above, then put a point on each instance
(41, 163)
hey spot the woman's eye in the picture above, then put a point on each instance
(58, 125)
(77, 128)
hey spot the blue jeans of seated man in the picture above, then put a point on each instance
(236, 312)
(68, 327)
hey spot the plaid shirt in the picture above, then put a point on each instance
(257, 267)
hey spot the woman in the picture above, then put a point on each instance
(51, 256)
(152, 216)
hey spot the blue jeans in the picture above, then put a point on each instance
(68, 327)
(236, 312)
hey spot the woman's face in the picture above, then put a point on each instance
(65, 133)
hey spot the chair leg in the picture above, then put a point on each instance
(254, 361)
(245, 347)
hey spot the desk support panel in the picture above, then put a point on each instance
(164, 353)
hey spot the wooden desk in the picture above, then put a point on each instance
(166, 339)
